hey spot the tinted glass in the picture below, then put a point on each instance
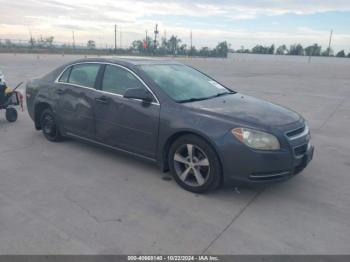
(84, 74)
(183, 83)
(65, 75)
(117, 80)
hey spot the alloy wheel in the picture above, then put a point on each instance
(191, 165)
(49, 126)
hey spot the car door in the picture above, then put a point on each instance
(128, 124)
(76, 92)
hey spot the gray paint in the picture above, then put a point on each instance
(147, 129)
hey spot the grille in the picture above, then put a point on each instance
(300, 150)
(296, 132)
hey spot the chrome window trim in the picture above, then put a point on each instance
(105, 92)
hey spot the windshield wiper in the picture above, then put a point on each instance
(205, 98)
(223, 94)
(193, 99)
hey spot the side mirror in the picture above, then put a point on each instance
(138, 93)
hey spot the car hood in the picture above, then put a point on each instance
(246, 110)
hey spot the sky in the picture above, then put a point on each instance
(240, 22)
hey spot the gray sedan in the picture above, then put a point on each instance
(205, 133)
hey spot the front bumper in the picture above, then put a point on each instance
(243, 164)
(299, 164)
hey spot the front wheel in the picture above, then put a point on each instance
(194, 164)
(49, 126)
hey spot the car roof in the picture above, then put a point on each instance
(128, 60)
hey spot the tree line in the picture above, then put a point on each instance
(175, 46)
(295, 49)
(172, 46)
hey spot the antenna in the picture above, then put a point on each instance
(330, 42)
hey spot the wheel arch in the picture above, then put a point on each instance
(171, 139)
(38, 109)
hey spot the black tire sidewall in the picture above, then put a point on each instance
(57, 137)
(215, 167)
(11, 115)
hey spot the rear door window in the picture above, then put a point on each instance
(84, 74)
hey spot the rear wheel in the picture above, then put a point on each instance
(11, 114)
(49, 126)
(194, 164)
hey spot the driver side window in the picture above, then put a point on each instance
(117, 80)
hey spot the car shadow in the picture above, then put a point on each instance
(150, 167)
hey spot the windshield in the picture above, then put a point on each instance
(183, 83)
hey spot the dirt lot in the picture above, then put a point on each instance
(73, 198)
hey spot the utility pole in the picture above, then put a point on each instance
(120, 38)
(31, 39)
(73, 39)
(165, 42)
(330, 42)
(191, 43)
(115, 39)
(146, 41)
(156, 32)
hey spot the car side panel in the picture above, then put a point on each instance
(128, 124)
(75, 109)
(38, 91)
(174, 120)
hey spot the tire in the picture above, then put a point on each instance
(49, 126)
(11, 114)
(198, 172)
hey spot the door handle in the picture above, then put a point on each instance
(59, 91)
(102, 100)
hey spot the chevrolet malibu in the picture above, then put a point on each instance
(205, 133)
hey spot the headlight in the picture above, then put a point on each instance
(256, 139)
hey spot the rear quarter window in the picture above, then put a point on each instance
(64, 77)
